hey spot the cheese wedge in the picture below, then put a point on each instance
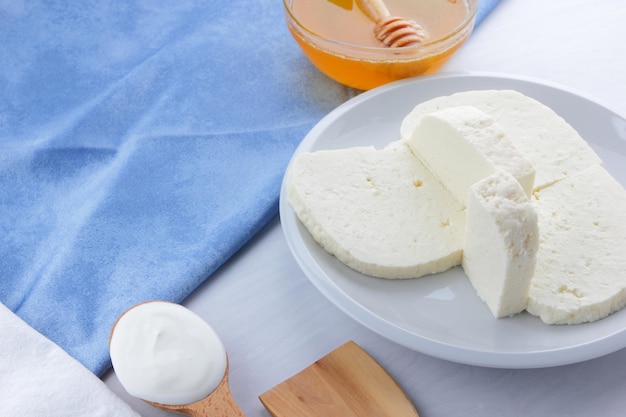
(551, 145)
(378, 211)
(581, 264)
(462, 145)
(501, 241)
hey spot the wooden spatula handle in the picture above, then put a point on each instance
(345, 383)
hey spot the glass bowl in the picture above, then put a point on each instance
(338, 38)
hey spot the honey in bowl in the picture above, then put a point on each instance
(338, 38)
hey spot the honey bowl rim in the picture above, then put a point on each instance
(436, 45)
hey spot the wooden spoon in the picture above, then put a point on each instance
(345, 383)
(219, 402)
(392, 31)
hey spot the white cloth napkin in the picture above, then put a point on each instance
(38, 378)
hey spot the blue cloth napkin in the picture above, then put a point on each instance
(484, 8)
(141, 145)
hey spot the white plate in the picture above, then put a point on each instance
(440, 315)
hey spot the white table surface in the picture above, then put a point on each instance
(274, 322)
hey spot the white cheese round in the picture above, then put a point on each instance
(378, 211)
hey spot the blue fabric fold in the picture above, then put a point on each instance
(141, 145)
(484, 8)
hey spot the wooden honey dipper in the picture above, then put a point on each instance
(392, 31)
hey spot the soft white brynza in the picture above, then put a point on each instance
(378, 211)
(501, 242)
(551, 145)
(581, 267)
(383, 213)
(461, 145)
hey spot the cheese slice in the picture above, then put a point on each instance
(378, 211)
(551, 145)
(581, 264)
(501, 241)
(461, 145)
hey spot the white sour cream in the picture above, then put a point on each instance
(164, 353)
